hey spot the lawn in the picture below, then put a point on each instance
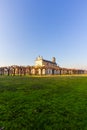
(43, 103)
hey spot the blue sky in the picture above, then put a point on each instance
(29, 28)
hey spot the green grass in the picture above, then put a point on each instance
(43, 103)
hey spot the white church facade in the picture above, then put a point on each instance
(46, 66)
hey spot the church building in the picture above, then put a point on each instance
(47, 67)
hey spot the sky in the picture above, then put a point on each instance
(49, 28)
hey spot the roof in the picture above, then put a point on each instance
(50, 62)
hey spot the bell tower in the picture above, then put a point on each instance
(54, 60)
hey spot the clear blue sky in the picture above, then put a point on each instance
(29, 28)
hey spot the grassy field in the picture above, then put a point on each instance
(43, 103)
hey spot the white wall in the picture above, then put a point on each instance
(43, 71)
(38, 63)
